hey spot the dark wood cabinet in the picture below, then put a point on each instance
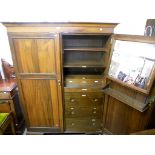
(62, 73)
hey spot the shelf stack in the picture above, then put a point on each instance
(84, 61)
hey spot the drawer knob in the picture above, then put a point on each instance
(83, 77)
(72, 124)
(94, 112)
(72, 108)
(96, 81)
(70, 81)
(93, 120)
(94, 108)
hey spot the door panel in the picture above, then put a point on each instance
(35, 55)
(122, 119)
(37, 62)
(40, 102)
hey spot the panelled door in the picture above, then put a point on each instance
(37, 62)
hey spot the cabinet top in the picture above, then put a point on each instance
(36, 24)
(57, 27)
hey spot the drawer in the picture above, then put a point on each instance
(83, 90)
(83, 112)
(83, 125)
(5, 95)
(5, 106)
(84, 82)
(82, 102)
(83, 95)
(85, 29)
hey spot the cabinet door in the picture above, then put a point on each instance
(122, 119)
(37, 62)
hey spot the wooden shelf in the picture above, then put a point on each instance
(83, 66)
(93, 49)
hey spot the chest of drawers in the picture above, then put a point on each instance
(83, 111)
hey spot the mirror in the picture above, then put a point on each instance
(133, 63)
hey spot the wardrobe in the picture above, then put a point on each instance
(62, 72)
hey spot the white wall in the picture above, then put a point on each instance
(131, 14)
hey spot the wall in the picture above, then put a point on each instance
(131, 14)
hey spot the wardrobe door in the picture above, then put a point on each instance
(37, 61)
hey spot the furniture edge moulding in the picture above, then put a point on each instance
(61, 27)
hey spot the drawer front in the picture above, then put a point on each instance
(5, 106)
(84, 112)
(83, 95)
(84, 82)
(5, 95)
(82, 102)
(83, 90)
(83, 125)
(87, 29)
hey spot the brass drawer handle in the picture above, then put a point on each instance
(72, 100)
(93, 124)
(83, 95)
(72, 124)
(84, 82)
(96, 81)
(84, 89)
(72, 112)
(95, 100)
(83, 77)
(72, 108)
(94, 108)
(93, 120)
(83, 66)
(94, 112)
(70, 81)
(57, 125)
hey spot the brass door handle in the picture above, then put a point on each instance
(59, 82)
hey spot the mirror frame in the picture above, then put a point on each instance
(132, 38)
